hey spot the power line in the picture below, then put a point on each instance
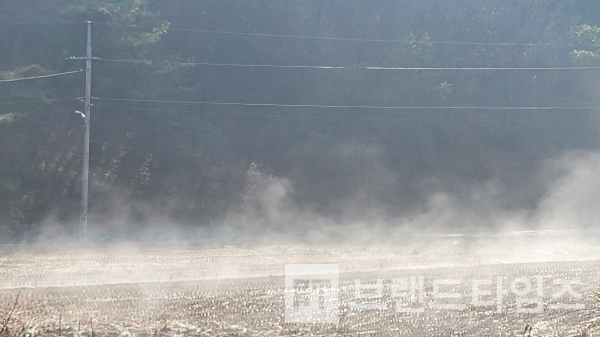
(281, 116)
(304, 37)
(39, 77)
(349, 67)
(332, 118)
(41, 101)
(506, 44)
(39, 23)
(34, 62)
(375, 107)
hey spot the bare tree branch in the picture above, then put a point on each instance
(10, 315)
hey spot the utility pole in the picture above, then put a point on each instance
(83, 232)
(83, 227)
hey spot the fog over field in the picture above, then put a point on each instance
(299, 168)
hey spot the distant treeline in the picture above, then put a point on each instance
(199, 163)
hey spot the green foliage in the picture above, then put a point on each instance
(7, 118)
(422, 47)
(11, 178)
(111, 11)
(10, 183)
(122, 16)
(28, 71)
(200, 153)
(587, 34)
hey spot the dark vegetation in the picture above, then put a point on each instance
(194, 163)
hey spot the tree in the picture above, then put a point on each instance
(590, 37)
(190, 162)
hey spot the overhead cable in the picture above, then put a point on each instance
(266, 35)
(349, 67)
(446, 119)
(39, 77)
(356, 106)
(49, 23)
(49, 100)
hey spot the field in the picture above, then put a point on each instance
(182, 289)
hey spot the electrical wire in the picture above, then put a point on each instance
(39, 77)
(20, 62)
(506, 44)
(350, 67)
(50, 100)
(325, 117)
(40, 23)
(276, 116)
(375, 107)
(304, 37)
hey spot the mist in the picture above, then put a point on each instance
(481, 164)
(248, 159)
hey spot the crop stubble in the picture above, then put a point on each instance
(195, 290)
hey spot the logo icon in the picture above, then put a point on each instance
(312, 293)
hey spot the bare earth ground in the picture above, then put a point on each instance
(199, 290)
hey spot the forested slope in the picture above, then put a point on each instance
(182, 161)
